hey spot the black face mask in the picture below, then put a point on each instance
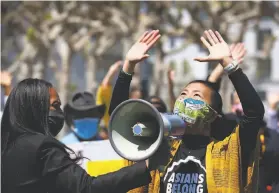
(55, 121)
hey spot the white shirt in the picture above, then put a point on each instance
(5, 100)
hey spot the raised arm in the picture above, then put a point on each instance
(111, 73)
(251, 102)
(104, 91)
(220, 51)
(238, 52)
(135, 55)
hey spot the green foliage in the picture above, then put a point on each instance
(30, 34)
(186, 67)
(47, 16)
(172, 65)
(71, 88)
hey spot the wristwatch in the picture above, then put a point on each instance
(127, 73)
(233, 66)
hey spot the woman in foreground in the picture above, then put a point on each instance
(33, 161)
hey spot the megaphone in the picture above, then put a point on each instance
(137, 128)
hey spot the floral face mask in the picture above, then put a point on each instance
(194, 112)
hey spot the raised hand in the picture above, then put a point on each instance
(115, 67)
(6, 79)
(111, 72)
(170, 75)
(137, 53)
(217, 47)
(238, 51)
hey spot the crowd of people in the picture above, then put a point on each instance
(220, 152)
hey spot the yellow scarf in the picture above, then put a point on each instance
(223, 168)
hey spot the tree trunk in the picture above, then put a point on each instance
(90, 72)
(226, 91)
(65, 54)
(38, 69)
(158, 71)
(127, 43)
(22, 71)
(64, 79)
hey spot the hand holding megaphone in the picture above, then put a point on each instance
(137, 131)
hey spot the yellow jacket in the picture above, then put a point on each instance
(223, 168)
(103, 97)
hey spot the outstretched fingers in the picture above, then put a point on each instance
(148, 36)
(242, 53)
(205, 43)
(143, 36)
(150, 39)
(210, 39)
(239, 47)
(153, 41)
(219, 36)
(232, 47)
(213, 36)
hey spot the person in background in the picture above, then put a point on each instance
(269, 167)
(135, 93)
(83, 117)
(104, 91)
(158, 103)
(270, 116)
(172, 97)
(197, 162)
(33, 161)
(6, 81)
(236, 113)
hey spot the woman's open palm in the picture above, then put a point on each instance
(217, 47)
(137, 53)
(238, 52)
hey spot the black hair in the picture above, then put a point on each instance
(216, 102)
(160, 105)
(26, 112)
(134, 88)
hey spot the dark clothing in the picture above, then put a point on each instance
(120, 91)
(269, 167)
(233, 117)
(216, 85)
(40, 164)
(222, 128)
(251, 103)
(189, 171)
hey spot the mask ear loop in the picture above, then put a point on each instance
(217, 114)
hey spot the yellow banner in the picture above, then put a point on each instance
(96, 168)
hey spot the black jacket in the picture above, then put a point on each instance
(40, 164)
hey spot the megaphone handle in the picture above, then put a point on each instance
(173, 125)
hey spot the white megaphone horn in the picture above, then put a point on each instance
(137, 128)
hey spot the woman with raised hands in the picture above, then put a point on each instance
(199, 163)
